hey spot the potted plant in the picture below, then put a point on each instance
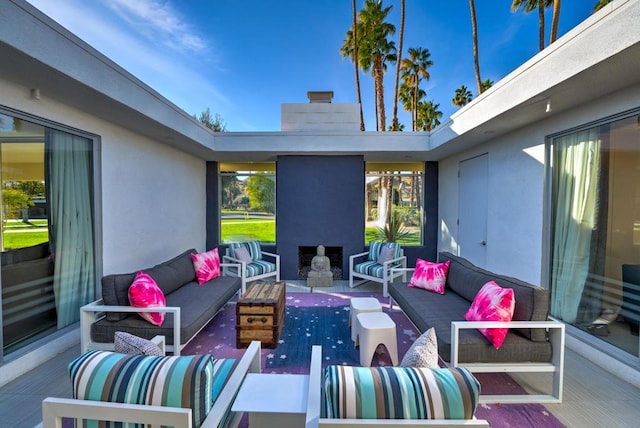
(393, 230)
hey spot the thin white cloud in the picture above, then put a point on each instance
(160, 23)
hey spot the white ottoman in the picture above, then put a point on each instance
(361, 305)
(373, 329)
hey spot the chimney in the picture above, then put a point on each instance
(320, 96)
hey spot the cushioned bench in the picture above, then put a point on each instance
(190, 306)
(533, 342)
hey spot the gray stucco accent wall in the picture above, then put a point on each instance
(320, 200)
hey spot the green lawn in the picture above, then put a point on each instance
(25, 239)
(265, 231)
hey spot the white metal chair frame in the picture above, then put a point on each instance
(389, 274)
(238, 268)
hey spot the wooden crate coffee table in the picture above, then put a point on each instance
(260, 314)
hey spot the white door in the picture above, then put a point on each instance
(472, 210)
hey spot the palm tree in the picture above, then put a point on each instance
(414, 69)
(408, 98)
(349, 49)
(428, 115)
(486, 84)
(394, 121)
(531, 5)
(355, 61)
(462, 97)
(474, 31)
(600, 5)
(375, 49)
(554, 21)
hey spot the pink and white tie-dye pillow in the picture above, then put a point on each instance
(430, 276)
(145, 293)
(206, 265)
(492, 303)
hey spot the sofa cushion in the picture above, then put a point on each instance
(191, 381)
(198, 303)
(399, 393)
(206, 265)
(169, 276)
(532, 303)
(145, 293)
(492, 303)
(430, 276)
(428, 310)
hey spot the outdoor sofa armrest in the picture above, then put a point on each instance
(556, 333)
(92, 312)
(54, 409)
(353, 257)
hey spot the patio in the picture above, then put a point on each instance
(592, 396)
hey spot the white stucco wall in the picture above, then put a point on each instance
(516, 211)
(152, 198)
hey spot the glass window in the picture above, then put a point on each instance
(394, 202)
(595, 231)
(248, 202)
(46, 239)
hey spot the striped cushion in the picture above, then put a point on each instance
(192, 381)
(253, 247)
(376, 246)
(259, 267)
(399, 393)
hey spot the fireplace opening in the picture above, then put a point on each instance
(306, 254)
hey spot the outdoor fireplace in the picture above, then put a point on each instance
(306, 254)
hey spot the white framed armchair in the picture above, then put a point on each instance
(377, 265)
(252, 263)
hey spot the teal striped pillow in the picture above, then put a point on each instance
(192, 381)
(399, 393)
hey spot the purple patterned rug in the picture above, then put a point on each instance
(323, 318)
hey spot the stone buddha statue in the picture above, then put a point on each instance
(320, 274)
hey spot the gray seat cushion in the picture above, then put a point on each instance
(198, 304)
(427, 309)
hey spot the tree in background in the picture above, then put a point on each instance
(215, 123)
(530, 6)
(355, 60)
(408, 97)
(600, 5)
(462, 97)
(486, 84)
(555, 20)
(262, 193)
(375, 50)
(14, 201)
(415, 68)
(394, 121)
(428, 116)
(474, 33)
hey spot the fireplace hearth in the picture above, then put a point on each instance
(306, 254)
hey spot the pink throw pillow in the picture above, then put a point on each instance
(430, 276)
(492, 303)
(145, 293)
(206, 265)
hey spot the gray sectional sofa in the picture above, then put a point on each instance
(190, 306)
(533, 343)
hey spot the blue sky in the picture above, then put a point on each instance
(244, 58)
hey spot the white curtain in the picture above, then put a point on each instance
(575, 172)
(69, 183)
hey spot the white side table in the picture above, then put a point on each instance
(273, 400)
(359, 305)
(376, 328)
